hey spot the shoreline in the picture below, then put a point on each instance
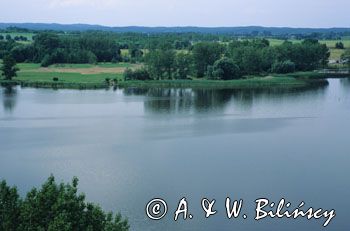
(256, 83)
(285, 83)
(279, 81)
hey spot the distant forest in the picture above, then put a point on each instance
(326, 33)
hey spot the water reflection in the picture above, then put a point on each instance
(217, 143)
(179, 101)
(345, 82)
(9, 98)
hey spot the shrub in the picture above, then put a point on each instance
(9, 68)
(339, 45)
(46, 61)
(283, 67)
(114, 60)
(139, 74)
(55, 79)
(225, 69)
(346, 57)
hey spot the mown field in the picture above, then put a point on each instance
(71, 75)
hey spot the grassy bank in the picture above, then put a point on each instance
(76, 81)
(65, 80)
(87, 76)
(248, 83)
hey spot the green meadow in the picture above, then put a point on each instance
(68, 75)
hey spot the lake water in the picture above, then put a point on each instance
(129, 146)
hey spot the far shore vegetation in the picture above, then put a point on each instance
(88, 60)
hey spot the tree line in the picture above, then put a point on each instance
(16, 38)
(172, 56)
(54, 207)
(215, 60)
(50, 48)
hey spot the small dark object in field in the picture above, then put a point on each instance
(55, 79)
(107, 80)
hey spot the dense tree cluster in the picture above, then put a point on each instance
(224, 69)
(233, 60)
(8, 67)
(138, 74)
(54, 207)
(339, 45)
(283, 67)
(49, 48)
(346, 57)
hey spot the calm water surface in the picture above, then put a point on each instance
(129, 146)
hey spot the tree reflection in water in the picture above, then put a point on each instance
(9, 98)
(180, 101)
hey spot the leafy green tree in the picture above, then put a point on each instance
(103, 45)
(54, 207)
(346, 57)
(268, 57)
(308, 55)
(154, 63)
(22, 53)
(204, 55)
(44, 44)
(339, 45)
(138, 74)
(9, 68)
(283, 67)
(251, 60)
(183, 65)
(9, 207)
(252, 57)
(168, 61)
(225, 69)
(160, 63)
(135, 52)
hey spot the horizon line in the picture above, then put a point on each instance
(178, 26)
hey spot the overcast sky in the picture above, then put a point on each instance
(293, 13)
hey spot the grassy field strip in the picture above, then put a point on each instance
(71, 75)
(84, 69)
(101, 65)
